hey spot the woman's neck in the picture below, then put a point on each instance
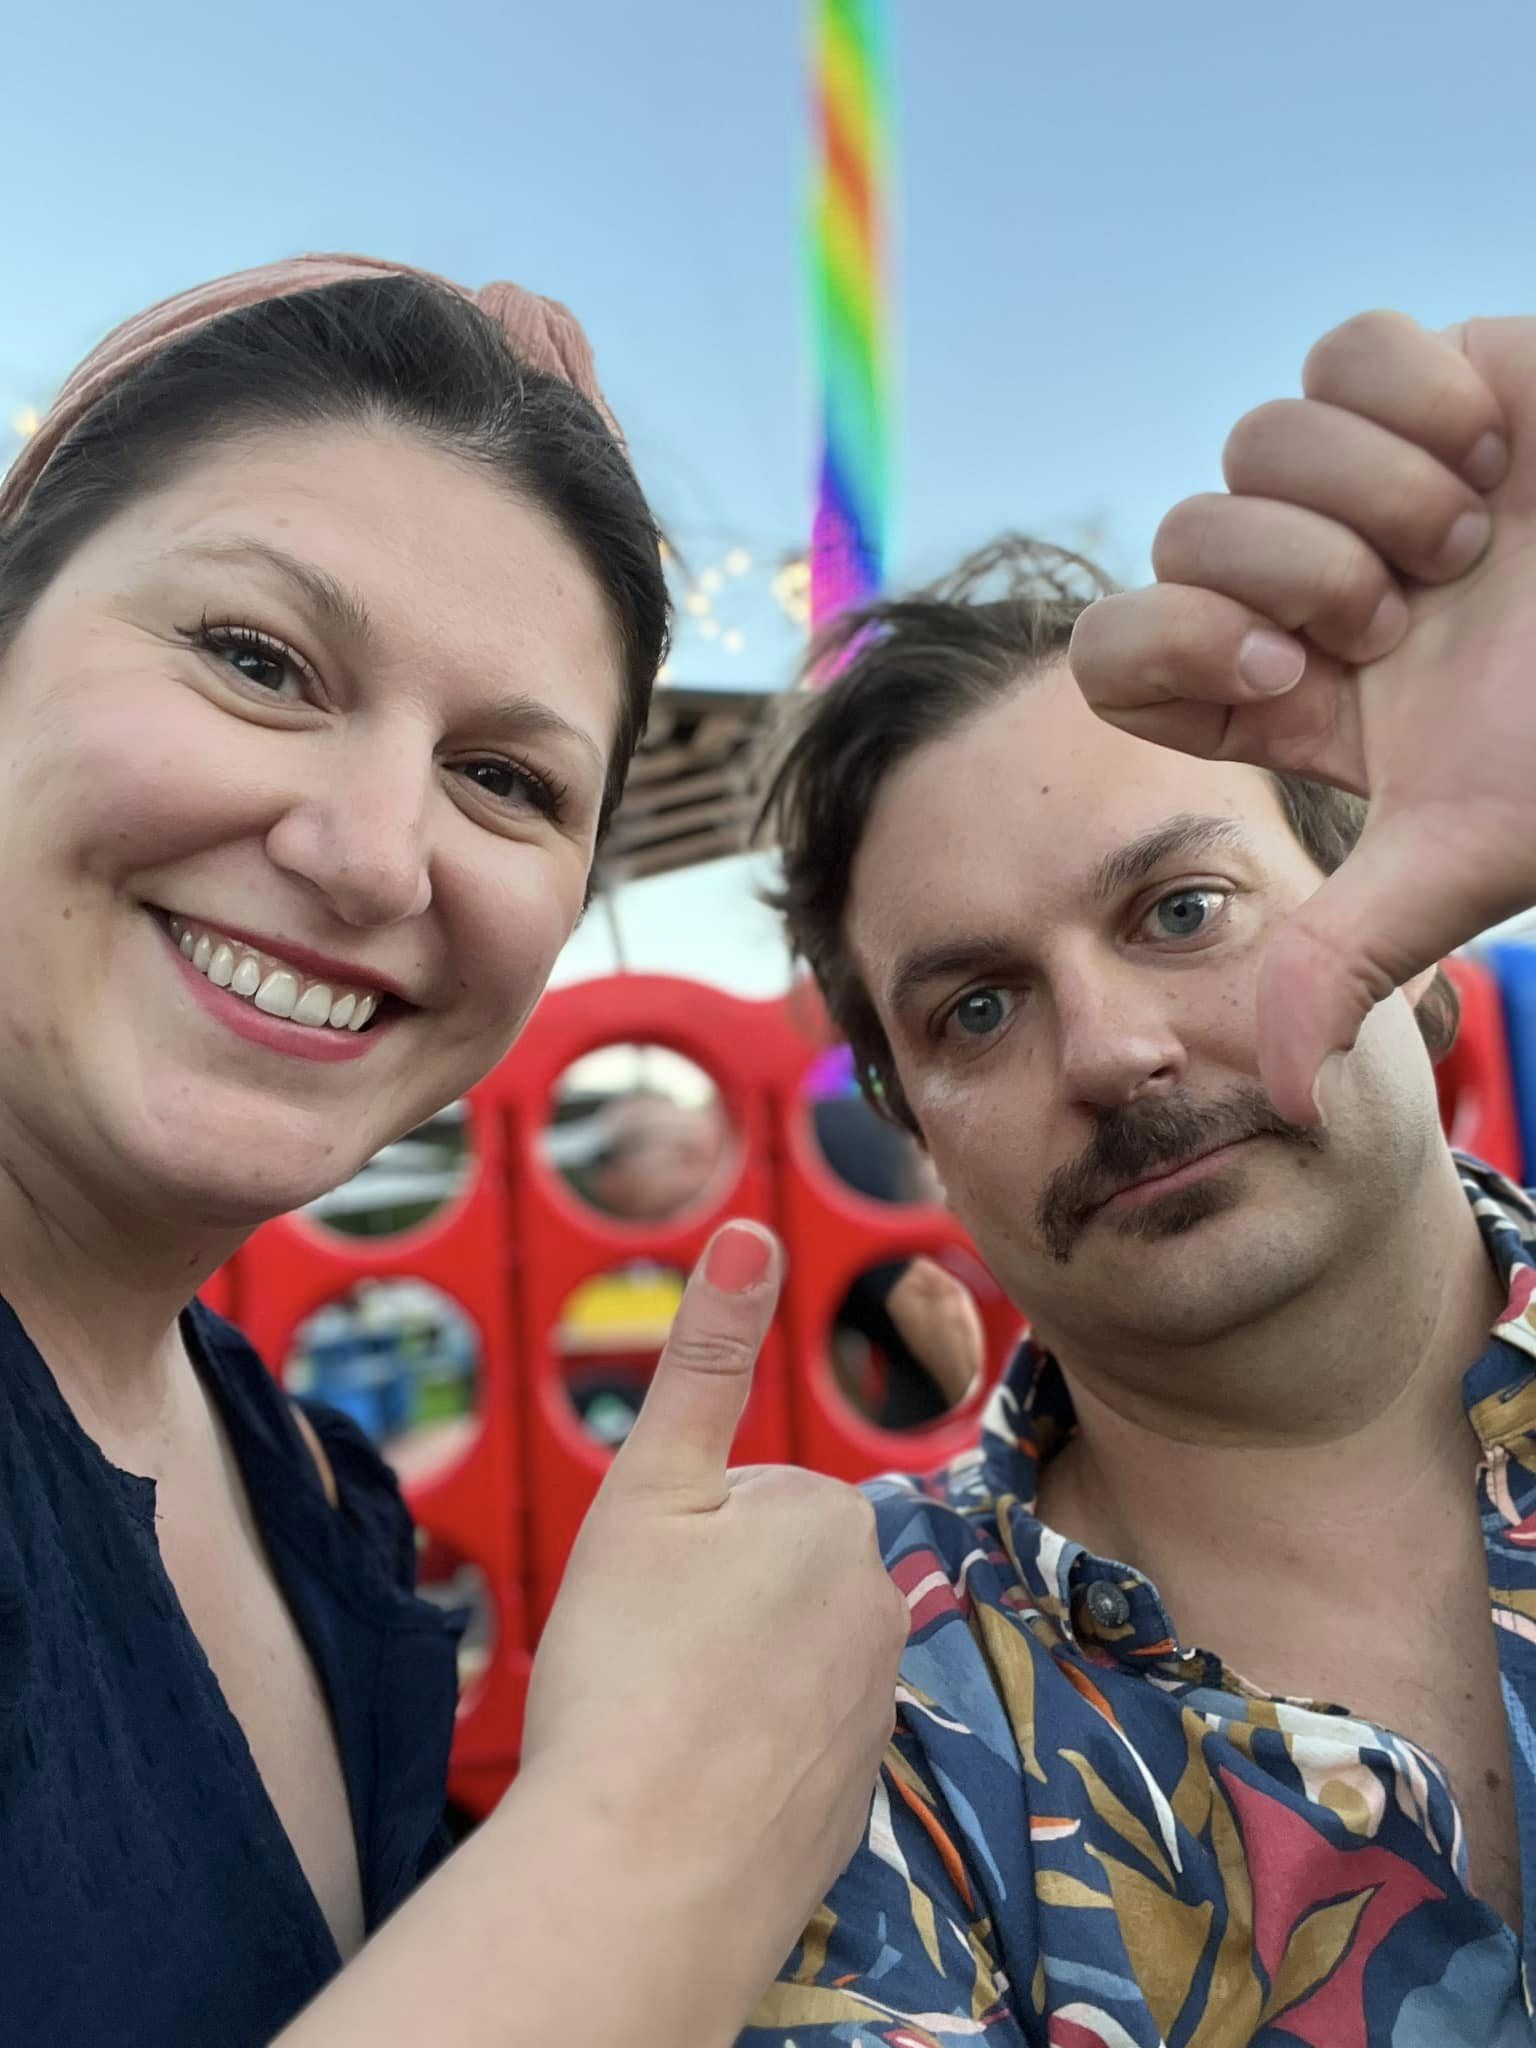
(99, 1290)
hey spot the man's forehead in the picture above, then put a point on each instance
(1035, 801)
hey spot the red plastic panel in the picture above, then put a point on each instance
(517, 1243)
(561, 1242)
(1476, 1081)
(292, 1267)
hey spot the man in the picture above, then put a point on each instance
(1205, 1736)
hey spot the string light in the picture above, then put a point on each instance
(698, 604)
(710, 580)
(26, 421)
(737, 562)
(734, 640)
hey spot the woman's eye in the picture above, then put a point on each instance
(262, 663)
(1185, 913)
(513, 786)
(980, 1013)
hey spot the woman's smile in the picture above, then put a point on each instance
(272, 1001)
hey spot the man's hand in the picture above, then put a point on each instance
(1344, 614)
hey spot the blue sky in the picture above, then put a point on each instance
(1118, 226)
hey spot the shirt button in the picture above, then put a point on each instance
(1108, 1604)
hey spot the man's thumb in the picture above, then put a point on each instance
(681, 1441)
(1395, 907)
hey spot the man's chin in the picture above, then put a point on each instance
(1177, 1214)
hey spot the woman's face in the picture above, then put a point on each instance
(333, 712)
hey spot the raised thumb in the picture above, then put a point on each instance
(1399, 903)
(681, 1442)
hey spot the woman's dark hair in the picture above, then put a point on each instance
(394, 350)
(905, 672)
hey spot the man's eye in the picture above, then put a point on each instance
(1184, 913)
(980, 1013)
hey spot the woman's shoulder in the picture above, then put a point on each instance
(308, 1446)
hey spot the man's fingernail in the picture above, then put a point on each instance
(1464, 543)
(1270, 662)
(737, 1259)
(1388, 622)
(1485, 466)
(1325, 1088)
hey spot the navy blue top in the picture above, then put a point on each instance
(148, 1892)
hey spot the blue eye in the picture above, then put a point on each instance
(1185, 913)
(981, 1012)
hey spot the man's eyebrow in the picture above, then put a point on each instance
(331, 600)
(1139, 858)
(950, 960)
(959, 958)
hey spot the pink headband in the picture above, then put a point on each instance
(544, 334)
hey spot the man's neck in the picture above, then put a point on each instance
(1303, 1435)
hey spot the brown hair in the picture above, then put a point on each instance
(908, 671)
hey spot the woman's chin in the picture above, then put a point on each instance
(229, 1181)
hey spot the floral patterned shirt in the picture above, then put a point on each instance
(1087, 1836)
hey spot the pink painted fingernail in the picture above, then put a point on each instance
(1271, 662)
(738, 1258)
(1484, 468)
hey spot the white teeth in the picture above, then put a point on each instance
(313, 1007)
(278, 993)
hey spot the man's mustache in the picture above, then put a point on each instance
(1154, 1137)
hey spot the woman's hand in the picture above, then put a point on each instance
(709, 1705)
(718, 1674)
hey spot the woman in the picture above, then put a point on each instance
(329, 612)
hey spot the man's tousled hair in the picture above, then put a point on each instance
(905, 672)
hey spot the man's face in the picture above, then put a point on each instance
(1060, 927)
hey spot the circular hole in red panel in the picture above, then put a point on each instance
(908, 1343)
(640, 1134)
(609, 1337)
(873, 1157)
(403, 1359)
(452, 1581)
(404, 1185)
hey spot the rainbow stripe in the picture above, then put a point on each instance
(848, 280)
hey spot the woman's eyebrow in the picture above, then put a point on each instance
(522, 717)
(344, 610)
(332, 601)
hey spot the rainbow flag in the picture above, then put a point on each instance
(848, 293)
